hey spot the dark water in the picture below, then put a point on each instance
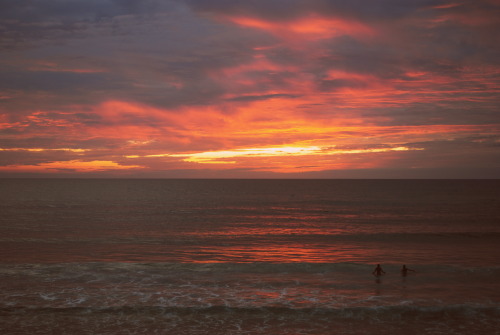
(249, 256)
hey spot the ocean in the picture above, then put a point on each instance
(117, 256)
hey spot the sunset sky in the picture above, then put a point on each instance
(250, 88)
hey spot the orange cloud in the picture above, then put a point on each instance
(276, 134)
(311, 27)
(217, 156)
(275, 122)
(283, 158)
(79, 151)
(72, 165)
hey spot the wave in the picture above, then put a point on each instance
(189, 239)
(458, 320)
(226, 267)
(358, 313)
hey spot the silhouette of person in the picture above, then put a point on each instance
(405, 270)
(378, 271)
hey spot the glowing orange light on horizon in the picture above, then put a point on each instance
(72, 165)
(222, 156)
(45, 149)
(275, 134)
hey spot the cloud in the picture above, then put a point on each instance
(69, 166)
(261, 97)
(164, 80)
(292, 9)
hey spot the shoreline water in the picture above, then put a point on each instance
(251, 257)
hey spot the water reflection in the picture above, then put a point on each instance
(275, 253)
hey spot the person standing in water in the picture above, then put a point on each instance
(378, 271)
(405, 270)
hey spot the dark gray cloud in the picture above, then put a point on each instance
(25, 20)
(472, 153)
(152, 52)
(290, 9)
(52, 81)
(261, 97)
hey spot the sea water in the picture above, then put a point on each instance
(249, 256)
